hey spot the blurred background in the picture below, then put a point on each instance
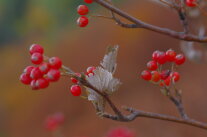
(52, 23)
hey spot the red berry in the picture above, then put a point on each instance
(55, 62)
(44, 67)
(75, 81)
(51, 123)
(36, 73)
(28, 70)
(82, 9)
(155, 76)
(161, 58)
(152, 65)
(25, 79)
(53, 75)
(90, 70)
(167, 81)
(170, 54)
(82, 21)
(179, 59)
(33, 85)
(175, 76)
(155, 55)
(42, 83)
(146, 75)
(75, 90)
(88, 1)
(37, 58)
(165, 74)
(35, 48)
(161, 84)
(191, 3)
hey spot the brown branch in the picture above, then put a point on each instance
(141, 24)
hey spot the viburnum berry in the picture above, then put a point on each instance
(25, 79)
(179, 59)
(53, 75)
(152, 65)
(88, 1)
(82, 10)
(33, 85)
(191, 3)
(36, 73)
(55, 62)
(155, 55)
(161, 58)
(44, 67)
(90, 70)
(165, 74)
(28, 70)
(170, 54)
(82, 21)
(146, 75)
(75, 81)
(167, 81)
(37, 58)
(42, 83)
(175, 76)
(75, 90)
(35, 48)
(155, 76)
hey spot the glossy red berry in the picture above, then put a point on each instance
(33, 85)
(175, 76)
(75, 90)
(42, 83)
(75, 81)
(155, 55)
(179, 59)
(162, 58)
(35, 48)
(152, 65)
(88, 1)
(36, 73)
(165, 74)
(155, 76)
(53, 75)
(55, 62)
(82, 9)
(44, 67)
(170, 54)
(82, 21)
(25, 79)
(37, 58)
(191, 3)
(28, 70)
(146, 75)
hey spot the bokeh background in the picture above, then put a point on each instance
(52, 23)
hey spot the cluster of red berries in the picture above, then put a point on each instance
(39, 77)
(191, 3)
(83, 10)
(155, 73)
(53, 122)
(76, 89)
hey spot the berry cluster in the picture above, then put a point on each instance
(191, 3)
(53, 122)
(164, 77)
(39, 77)
(76, 89)
(83, 10)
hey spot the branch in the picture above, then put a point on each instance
(141, 24)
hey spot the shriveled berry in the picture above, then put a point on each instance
(75, 90)
(75, 81)
(42, 83)
(44, 67)
(170, 54)
(28, 70)
(36, 73)
(53, 75)
(82, 21)
(155, 76)
(165, 74)
(162, 58)
(88, 1)
(35, 48)
(152, 65)
(155, 55)
(175, 76)
(37, 58)
(34, 85)
(55, 62)
(25, 79)
(82, 9)
(146, 75)
(90, 70)
(179, 59)
(191, 3)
